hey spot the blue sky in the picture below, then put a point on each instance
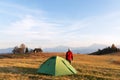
(50, 23)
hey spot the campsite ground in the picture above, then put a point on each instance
(89, 67)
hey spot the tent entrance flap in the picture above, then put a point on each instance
(68, 67)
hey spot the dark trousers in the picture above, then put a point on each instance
(69, 61)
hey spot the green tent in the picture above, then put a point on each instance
(56, 66)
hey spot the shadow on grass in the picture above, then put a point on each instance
(34, 75)
(88, 77)
(18, 70)
(116, 62)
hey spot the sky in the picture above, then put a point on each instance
(51, 23)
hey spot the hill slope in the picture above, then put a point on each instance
(81, 50)
(89, 67)
(30, 55)
(108, 50)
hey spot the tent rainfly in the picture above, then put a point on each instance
(56, 66)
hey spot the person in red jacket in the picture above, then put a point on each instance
(69, 55)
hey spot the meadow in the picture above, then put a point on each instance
(89, 67)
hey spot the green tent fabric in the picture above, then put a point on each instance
(56, 66)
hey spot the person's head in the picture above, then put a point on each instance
(68, 49)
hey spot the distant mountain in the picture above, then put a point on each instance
(82, 50)
(118, 46)
(56, 49)
(97, 46)
(7, 50)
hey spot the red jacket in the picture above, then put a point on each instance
(69, 55)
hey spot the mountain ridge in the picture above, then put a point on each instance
(6, 50)
(81, 50)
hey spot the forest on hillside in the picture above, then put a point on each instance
(107, 50)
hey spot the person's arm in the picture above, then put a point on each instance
(66, 55)
(72, 56)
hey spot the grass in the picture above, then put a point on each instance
(89, 67)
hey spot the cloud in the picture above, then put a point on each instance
(102, 29)
(18, 11)
(32, 28)
(30, 23)
(42, 30)
(97, 29)
(101, 24)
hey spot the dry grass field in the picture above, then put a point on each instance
(89, 67)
